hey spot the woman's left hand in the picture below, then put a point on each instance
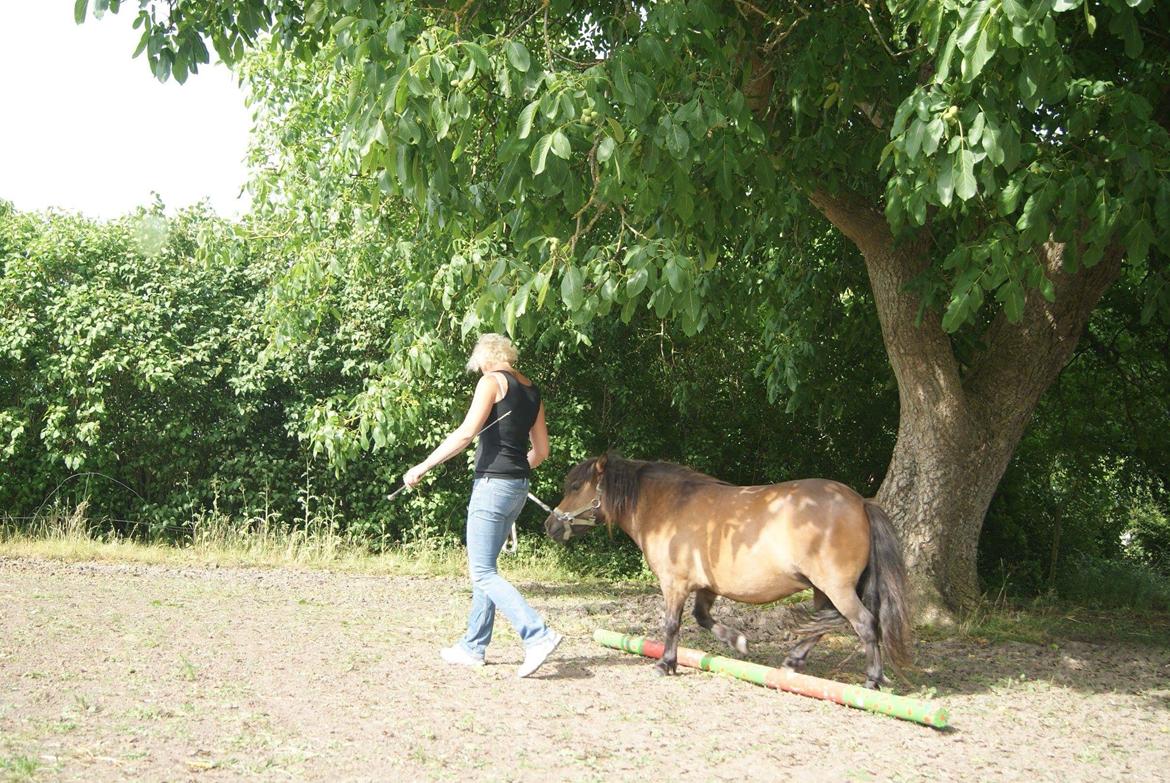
(414, 475)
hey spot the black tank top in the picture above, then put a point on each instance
(503, 448)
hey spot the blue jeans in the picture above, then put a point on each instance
(495, 504)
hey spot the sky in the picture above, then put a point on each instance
(86, 128)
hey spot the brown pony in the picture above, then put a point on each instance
(752, 544)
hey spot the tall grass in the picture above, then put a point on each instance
(261, 538)
(1114, 584)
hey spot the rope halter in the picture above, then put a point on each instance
(568, 519)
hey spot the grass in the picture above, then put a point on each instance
(18, 768)
(218, 540)
(320, 545)
(1048, 620)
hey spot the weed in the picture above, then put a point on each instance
(262, 538)
(19, 768)
(1047, 621)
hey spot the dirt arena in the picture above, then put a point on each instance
(130, 672)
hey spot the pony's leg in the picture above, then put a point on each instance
(726, 634)
(675, 598)
(845, 598)
(823, 620)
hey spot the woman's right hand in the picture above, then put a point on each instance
(414, 475)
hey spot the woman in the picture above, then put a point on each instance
(508, 404)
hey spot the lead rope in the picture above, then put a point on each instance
(564, 516)
(540, 503)
(513, 541)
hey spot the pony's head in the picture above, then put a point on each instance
(579, 510)
(599, 491)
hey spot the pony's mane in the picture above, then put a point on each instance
(621, 483)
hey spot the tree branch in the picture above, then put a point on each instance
(919, 351)
(1022, 359)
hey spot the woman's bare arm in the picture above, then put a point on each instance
(461, 437)
(539, 437)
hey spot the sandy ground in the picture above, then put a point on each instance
(129, 672)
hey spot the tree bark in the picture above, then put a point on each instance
(957, 431)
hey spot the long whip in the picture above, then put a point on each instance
(486, 427)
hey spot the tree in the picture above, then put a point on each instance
(994, 162)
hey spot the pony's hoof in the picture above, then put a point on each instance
(662, 669)
(741, 643)
(873, 685)
(796, 664)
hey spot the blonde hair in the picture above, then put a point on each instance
(491, 349)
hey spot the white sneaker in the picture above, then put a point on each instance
(535, 655)
(458, 655)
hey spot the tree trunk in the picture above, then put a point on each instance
(957, 430)
(937, 490)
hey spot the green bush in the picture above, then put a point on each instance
(1113, 584)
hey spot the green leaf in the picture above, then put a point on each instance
(518, 56)
(934, 134)
(971, 25)
(526, 116)
(913, 138)
(540, 153)
(677, 141)
(946, 182)
(1138, 240)
(394, 37)
(79, 8)
(637, 282)
(441, 118)
(917, 204)
(143, 42)
(676, 276)
(991, 145)
(985, 46)
(380, 135)
(605, 149)
(549, 106)
(1012, 295)
(662, 299)
(616, 128)
(975, 133)
(571, 284)
(479, 56)
(560, 145)
(965, 185)
(1090, 20)
(1009, 197)
(541, 281)
(401, 95)
(944, 59)
(568, 108)
(1015, 10)
(470, 322)
(684, 205)
(1047, 289)
(621, 82)
(415, 84)
(498, 270)
(1033, 214)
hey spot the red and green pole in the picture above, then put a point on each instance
(926, 713)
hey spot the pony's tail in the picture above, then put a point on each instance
(883, 588)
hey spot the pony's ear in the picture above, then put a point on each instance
(599, 465)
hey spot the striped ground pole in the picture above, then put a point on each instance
(924, 712)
